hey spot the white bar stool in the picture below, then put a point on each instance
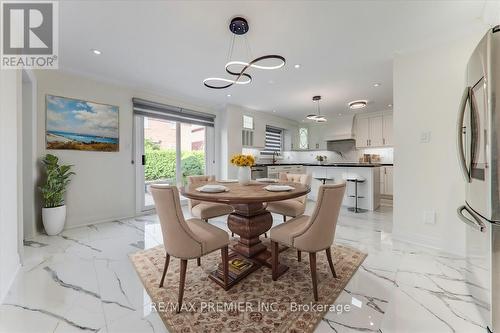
(356, 179)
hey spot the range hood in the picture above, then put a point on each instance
(340, 129)
(339, 137)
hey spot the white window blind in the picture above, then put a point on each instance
(274, 141)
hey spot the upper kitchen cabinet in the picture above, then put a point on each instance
(362, 132)
(253, 132)
(374, 130)
(388, 130)
(316, 140)
(291, 138)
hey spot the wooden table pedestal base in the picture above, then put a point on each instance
(249, 222)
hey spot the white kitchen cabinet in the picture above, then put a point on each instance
(374, 130)
(387, 130)
(293, 136)
(273, 171)
(386, 180)
(253, 133)
(362, 132)
(317, 137)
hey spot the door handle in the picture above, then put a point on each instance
(460, 142)
(143, 159)
(476, 223)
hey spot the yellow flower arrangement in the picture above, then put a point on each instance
(242, 160)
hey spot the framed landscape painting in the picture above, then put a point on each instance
(80, 125)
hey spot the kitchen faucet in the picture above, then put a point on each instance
(274, 157)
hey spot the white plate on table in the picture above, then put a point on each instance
(279, 188)
(212, 189)
(227, 181)
(266, 180)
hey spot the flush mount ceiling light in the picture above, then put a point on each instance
(319, 118)
(239, 26)
(355, 105)
(297, 66)
(95, 51)
(377, 84)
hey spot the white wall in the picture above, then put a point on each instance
(428, 85)
(10, 176)
(104, 186)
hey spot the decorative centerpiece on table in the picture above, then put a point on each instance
(321, 159)
(243, 162)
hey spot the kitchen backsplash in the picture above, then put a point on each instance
(386, 155)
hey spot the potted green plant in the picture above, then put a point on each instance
(53, 191)
(321, 159)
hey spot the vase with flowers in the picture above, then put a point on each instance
(243, 162)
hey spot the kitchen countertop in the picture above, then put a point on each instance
(337, 164)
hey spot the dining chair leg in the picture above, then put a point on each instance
(275, 259)
(299, 256)
(182, 280)
(312, 263)
(232, 234)
(198, 261)
(205, 220)
(225, 265)
(330, 262)
(265, 234)
(284, 218)
(167, 261)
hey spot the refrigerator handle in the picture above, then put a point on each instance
(461, 153)
(476, 223)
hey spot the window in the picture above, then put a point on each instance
(303, 141)
(274, 141)
(248, 122)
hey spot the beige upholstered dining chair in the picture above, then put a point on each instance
(291, 207)
(186, 239)
(311, 233)
(206, 210)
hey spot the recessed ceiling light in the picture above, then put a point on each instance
(297, 66)
(377, 84)
(228, 95)
(95, 51)
(274, 110)
(340, 114)
(271, 82)
(354, 105)
(389, 105)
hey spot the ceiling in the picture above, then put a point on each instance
(343, 47)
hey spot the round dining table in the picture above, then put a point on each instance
(250, 219)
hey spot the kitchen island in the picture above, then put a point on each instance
(368, 191)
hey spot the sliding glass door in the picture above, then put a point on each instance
(168, 152)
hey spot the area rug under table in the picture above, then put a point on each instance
(256, 304)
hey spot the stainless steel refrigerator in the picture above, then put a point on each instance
(479, 155)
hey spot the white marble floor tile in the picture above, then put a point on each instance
(83, 281)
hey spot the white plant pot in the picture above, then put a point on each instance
(54, 219)
(244, 175)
